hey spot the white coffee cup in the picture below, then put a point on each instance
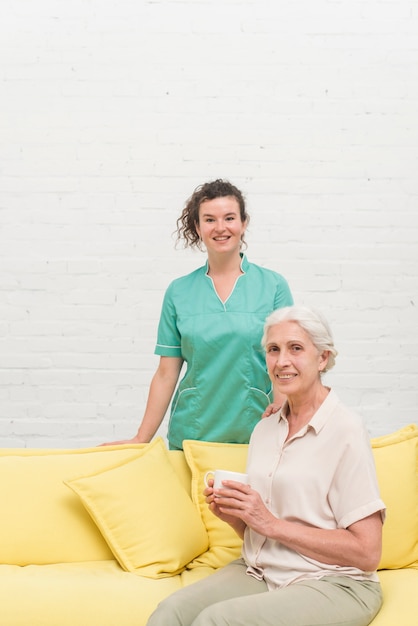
(220, 475)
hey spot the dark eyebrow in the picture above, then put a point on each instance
(226, 215)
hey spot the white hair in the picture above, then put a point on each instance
(312, 322)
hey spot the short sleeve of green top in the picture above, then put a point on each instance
(225, 388)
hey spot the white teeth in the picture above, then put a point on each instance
(287, 376)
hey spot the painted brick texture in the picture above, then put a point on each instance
(113, 111)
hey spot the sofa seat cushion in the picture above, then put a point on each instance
(144, 513)
(400, 598)
(96, 593)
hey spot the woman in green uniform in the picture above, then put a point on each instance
(212, 321)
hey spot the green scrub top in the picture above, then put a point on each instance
(225, 388)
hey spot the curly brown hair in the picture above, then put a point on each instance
(186, 223)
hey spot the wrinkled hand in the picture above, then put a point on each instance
(212, 501)
(236, 501)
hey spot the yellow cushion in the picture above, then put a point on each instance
(400, 598)
(397, 472)
(95, 593)
(41, 520)
(144, 513)
(178, 461)
(201, 456)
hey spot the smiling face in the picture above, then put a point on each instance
(220, 226)
(294, 363)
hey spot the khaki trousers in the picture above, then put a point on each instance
(230, 597)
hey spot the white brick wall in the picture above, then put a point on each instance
(112, 111)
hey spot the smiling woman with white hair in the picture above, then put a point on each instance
(311, 516)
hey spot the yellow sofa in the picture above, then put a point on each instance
(99, 536)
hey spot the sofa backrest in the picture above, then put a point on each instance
(396, 459)
(43, 521)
